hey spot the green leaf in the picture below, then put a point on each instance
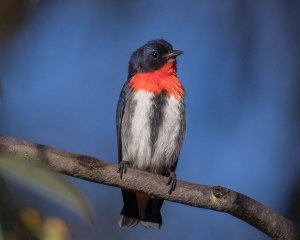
(45, 182)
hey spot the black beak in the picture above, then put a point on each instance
(173, 54)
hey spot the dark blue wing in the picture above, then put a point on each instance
(123, 99)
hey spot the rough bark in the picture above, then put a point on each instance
(202, 196)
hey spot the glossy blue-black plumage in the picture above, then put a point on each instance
(149, 57)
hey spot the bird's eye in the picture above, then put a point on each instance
(155, 54)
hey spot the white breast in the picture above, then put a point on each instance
(166, 143)
(138, 148)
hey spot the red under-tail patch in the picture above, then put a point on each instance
(164, 79)
(142, 201)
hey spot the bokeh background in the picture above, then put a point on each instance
(62, 66)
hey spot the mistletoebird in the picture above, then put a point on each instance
(150, 126)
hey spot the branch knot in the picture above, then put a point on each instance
(220, 192)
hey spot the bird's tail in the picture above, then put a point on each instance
(140, 208)
(128, 222)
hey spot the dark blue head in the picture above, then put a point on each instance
(151, 57)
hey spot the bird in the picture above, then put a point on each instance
(150, 123)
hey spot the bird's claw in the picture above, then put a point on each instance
(171, 181)
(122, 168)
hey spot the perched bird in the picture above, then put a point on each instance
(150, 126)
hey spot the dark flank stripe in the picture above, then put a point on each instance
(156, 115)
(127, 118)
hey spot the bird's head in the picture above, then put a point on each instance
(152, 56)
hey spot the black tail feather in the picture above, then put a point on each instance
(130, 216)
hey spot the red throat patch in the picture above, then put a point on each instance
(164, 79)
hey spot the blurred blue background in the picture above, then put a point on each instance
(63, 67)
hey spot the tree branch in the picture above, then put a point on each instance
(210, 197)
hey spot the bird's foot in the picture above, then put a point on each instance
(122, 167)
(171, 181)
